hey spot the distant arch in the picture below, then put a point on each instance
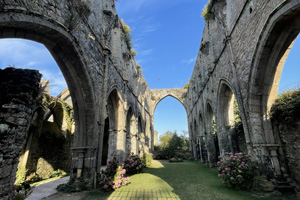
(158, 95)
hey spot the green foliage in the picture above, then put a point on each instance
(147, 159)
(206, 13)
(21, 174)
(237, 171)
(58, 173)
(286, 107)
(186, 86)
(165, 139)
(133, 164)
(19, 196)
(133, 52)
(21, 191)
(175, 160)
(111, 168)
(139, 67)
(66, 188)
(173, 145)
(126, 34)
(84, 9)
(33, 177)
(238, 125)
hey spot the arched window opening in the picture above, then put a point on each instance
(212, 137)
(231, 134)
(170, 122)
(48, 146)
(105, 142)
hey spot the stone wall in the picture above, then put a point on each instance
(243, 48)
(18, 92)
(289, 137)
(48, 148)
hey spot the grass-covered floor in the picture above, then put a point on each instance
(188, 180)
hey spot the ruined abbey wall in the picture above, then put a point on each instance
(242, 52)
(18, 93)
(243, 48)
(86, 40)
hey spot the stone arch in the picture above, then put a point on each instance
(131, 133)
(158, 95)
(280, 31)
(110, 126)
(56, 111)
(48, 147)
(275, 41)
(211, 136)
(68, 56)
(226, 119)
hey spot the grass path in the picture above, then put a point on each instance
(186, 181)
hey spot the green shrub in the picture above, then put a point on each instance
(186, 86)
(133, 164)
(147, 159)
(111, 168)
(175, 160)
(84, 9)
(206, 14)
(133, 52)
(19, 197)
(66, 188)
(286, 107)
(126, 35)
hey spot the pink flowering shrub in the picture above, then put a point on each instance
(119, 179)
(113, 178)
(237, 170)
(133, 164)
(111, 168)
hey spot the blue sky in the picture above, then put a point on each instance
(166, 35)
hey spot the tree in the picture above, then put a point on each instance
(164, 139)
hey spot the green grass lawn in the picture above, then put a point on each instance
(187, 181)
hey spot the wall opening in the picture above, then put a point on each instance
(105, 143)
(53, 121)
(170, 115)
(230, 127)
(212, 141)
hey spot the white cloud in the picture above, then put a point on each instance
(23, 53)
(189, 61)
(146, 52)
(31, 55)
(56, 80)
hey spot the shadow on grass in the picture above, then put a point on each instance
(193, 180)
(187, 181)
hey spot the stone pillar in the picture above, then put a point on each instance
(133, 144)
(112, 144)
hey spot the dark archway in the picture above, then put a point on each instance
(211, 136)
(105, 142)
